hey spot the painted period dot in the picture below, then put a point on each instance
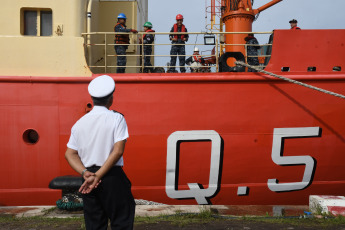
(242, 191)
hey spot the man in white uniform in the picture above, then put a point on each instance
(95, 150)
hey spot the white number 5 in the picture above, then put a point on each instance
(277, 156)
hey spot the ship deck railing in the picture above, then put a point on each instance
(105, 60)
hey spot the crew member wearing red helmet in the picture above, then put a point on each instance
(178, 48)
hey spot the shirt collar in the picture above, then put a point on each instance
(98, 108)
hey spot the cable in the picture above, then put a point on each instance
(196, 39)
(290, 80)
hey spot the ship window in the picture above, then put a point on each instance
(88, 107)
(30, 136)
(37, 22)
(285, 69)
(337, 68)
(46, 23)
(311, 69)
(30, 23)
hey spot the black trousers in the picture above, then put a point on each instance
(147, 59)
(122, 60)
(173, 52)
(112, 199)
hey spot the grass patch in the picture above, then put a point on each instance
(40, 222)
(185, 219)
(180, 219)
(326, 221)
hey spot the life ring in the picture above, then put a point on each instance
(223, 65)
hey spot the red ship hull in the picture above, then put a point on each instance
(248, 114)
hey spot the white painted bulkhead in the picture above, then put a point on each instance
(62, 51)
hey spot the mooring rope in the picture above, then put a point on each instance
(290, 80)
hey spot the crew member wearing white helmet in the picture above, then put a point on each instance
(121, 42)
(95, 150)
(195, 61)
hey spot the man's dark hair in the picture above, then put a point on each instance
(101, 101)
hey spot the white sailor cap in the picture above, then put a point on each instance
(101, 86)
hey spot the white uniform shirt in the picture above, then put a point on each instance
(95, 134)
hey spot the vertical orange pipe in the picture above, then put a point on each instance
(238, 20)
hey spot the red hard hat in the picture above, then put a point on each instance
(179, 16)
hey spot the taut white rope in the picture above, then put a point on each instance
(290, 80)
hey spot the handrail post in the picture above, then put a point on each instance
(89, 48)
(246, 54)
(217, 67)
(142, 54)
(105, 52)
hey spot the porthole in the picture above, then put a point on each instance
(88, 107)
(311, 69)
(30, 136)
(285, 69)
(337, 68)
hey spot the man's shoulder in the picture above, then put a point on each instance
(119, 26)
(80, 120)
(117, 113)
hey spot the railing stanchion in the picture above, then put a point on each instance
(246, 53)
(105, 53)
(142, 53)
(217, 67)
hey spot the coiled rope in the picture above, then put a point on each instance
(290, 80)
(70, 202)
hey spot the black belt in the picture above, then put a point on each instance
(95, 167)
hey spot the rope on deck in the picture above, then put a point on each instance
(290, 80)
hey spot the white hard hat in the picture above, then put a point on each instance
(196, 64)
(196, 49)
(101, 86)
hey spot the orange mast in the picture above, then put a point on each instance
(238, 16)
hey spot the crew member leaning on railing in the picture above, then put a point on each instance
(252, 50)
(121, 39)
